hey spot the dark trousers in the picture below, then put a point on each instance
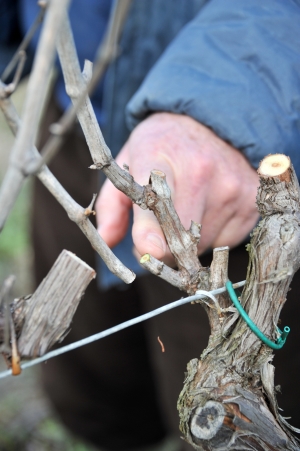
(121, 392)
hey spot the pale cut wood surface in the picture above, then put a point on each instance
(49, 311)
(274, 165)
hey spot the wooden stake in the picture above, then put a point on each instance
(41, 320)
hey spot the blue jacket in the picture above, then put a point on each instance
(235, 68)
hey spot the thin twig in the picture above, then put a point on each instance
(13, 85)
(24, 44)
(35, 97)
(4, 304)
(6, 288)
(15, 356)
(107, 52)
(218, 277)
(75, 212)
(156, 196)
(182, 243)
(163, 271)
(89, 210)
(119, 327)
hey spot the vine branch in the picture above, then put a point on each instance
(75, 212)
(35, 97)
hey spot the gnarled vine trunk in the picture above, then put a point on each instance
(228, 399)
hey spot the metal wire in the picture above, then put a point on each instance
(77, 344)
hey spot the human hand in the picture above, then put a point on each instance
(211, 183)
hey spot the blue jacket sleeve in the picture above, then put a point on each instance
(236, 69)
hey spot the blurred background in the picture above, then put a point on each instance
(27, 421)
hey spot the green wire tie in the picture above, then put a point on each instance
(283, 335)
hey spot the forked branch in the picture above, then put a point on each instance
(75, 212)
(156, 196)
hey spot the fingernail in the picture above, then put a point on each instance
(157, 241)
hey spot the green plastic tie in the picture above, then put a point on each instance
(283, 335)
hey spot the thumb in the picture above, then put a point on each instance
(112, 214)
(147, 234)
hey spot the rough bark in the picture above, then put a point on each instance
(228, 399)
(43, 319)
(182, 243)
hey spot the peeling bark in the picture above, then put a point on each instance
(228, 400)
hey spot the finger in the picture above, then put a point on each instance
(112, 214)
(190, 204)
(193, 185)
(145, 156)
(147, 234)
(236, 230)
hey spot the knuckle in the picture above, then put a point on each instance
(232, 187)
(202, 169)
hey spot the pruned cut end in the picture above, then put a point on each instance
(274, 165)
(145, 258)
(158, 173)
